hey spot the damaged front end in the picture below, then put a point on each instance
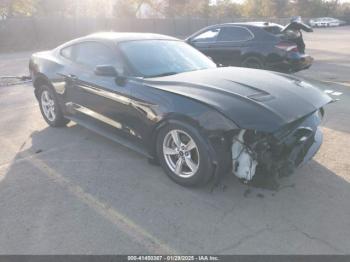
(261, 158)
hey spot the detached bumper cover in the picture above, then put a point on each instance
(299, 62)
(293, 62)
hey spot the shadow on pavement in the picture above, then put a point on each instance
(309, 214)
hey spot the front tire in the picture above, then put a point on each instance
(183, 154)
(50, 108)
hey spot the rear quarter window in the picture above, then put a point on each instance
(90, 54)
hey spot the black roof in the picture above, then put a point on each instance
(115, 37)
(257, 24)
(249, 25)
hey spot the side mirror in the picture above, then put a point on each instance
(106, 70)
(111, 71)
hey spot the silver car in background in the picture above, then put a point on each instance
(326, 22)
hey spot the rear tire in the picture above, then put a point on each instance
(50, 108)
(253, 62)
(183, 154)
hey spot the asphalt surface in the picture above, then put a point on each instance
(70, 191)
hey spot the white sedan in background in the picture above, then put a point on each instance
(326, 22)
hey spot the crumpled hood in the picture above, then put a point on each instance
(253, 99)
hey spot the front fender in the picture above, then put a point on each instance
(209, 123)
(216, 145)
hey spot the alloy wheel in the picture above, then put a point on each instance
(48, 105)
(181, 153)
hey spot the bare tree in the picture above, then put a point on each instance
(10, 8)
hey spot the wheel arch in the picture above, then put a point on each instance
(210, 123)
(40, 80)
(171, 118)
(254, 55)
(214, 139)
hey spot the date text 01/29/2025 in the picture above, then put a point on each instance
(173, 258)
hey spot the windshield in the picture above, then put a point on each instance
(152, 58)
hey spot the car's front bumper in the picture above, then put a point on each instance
(291, 147)
(316, 145)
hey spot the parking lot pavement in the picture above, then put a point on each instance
(69, 191)
(14, 64)
(330, 48)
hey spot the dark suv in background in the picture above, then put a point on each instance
(259, 45)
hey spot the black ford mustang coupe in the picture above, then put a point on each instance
(163, 98)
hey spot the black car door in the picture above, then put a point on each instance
(95, 97)
(228, 48)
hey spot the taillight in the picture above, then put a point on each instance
(287, 47)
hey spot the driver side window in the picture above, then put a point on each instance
(92, 54)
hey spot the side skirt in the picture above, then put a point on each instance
(107, 130)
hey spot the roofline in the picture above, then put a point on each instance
(251, 24)
(122, 38)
